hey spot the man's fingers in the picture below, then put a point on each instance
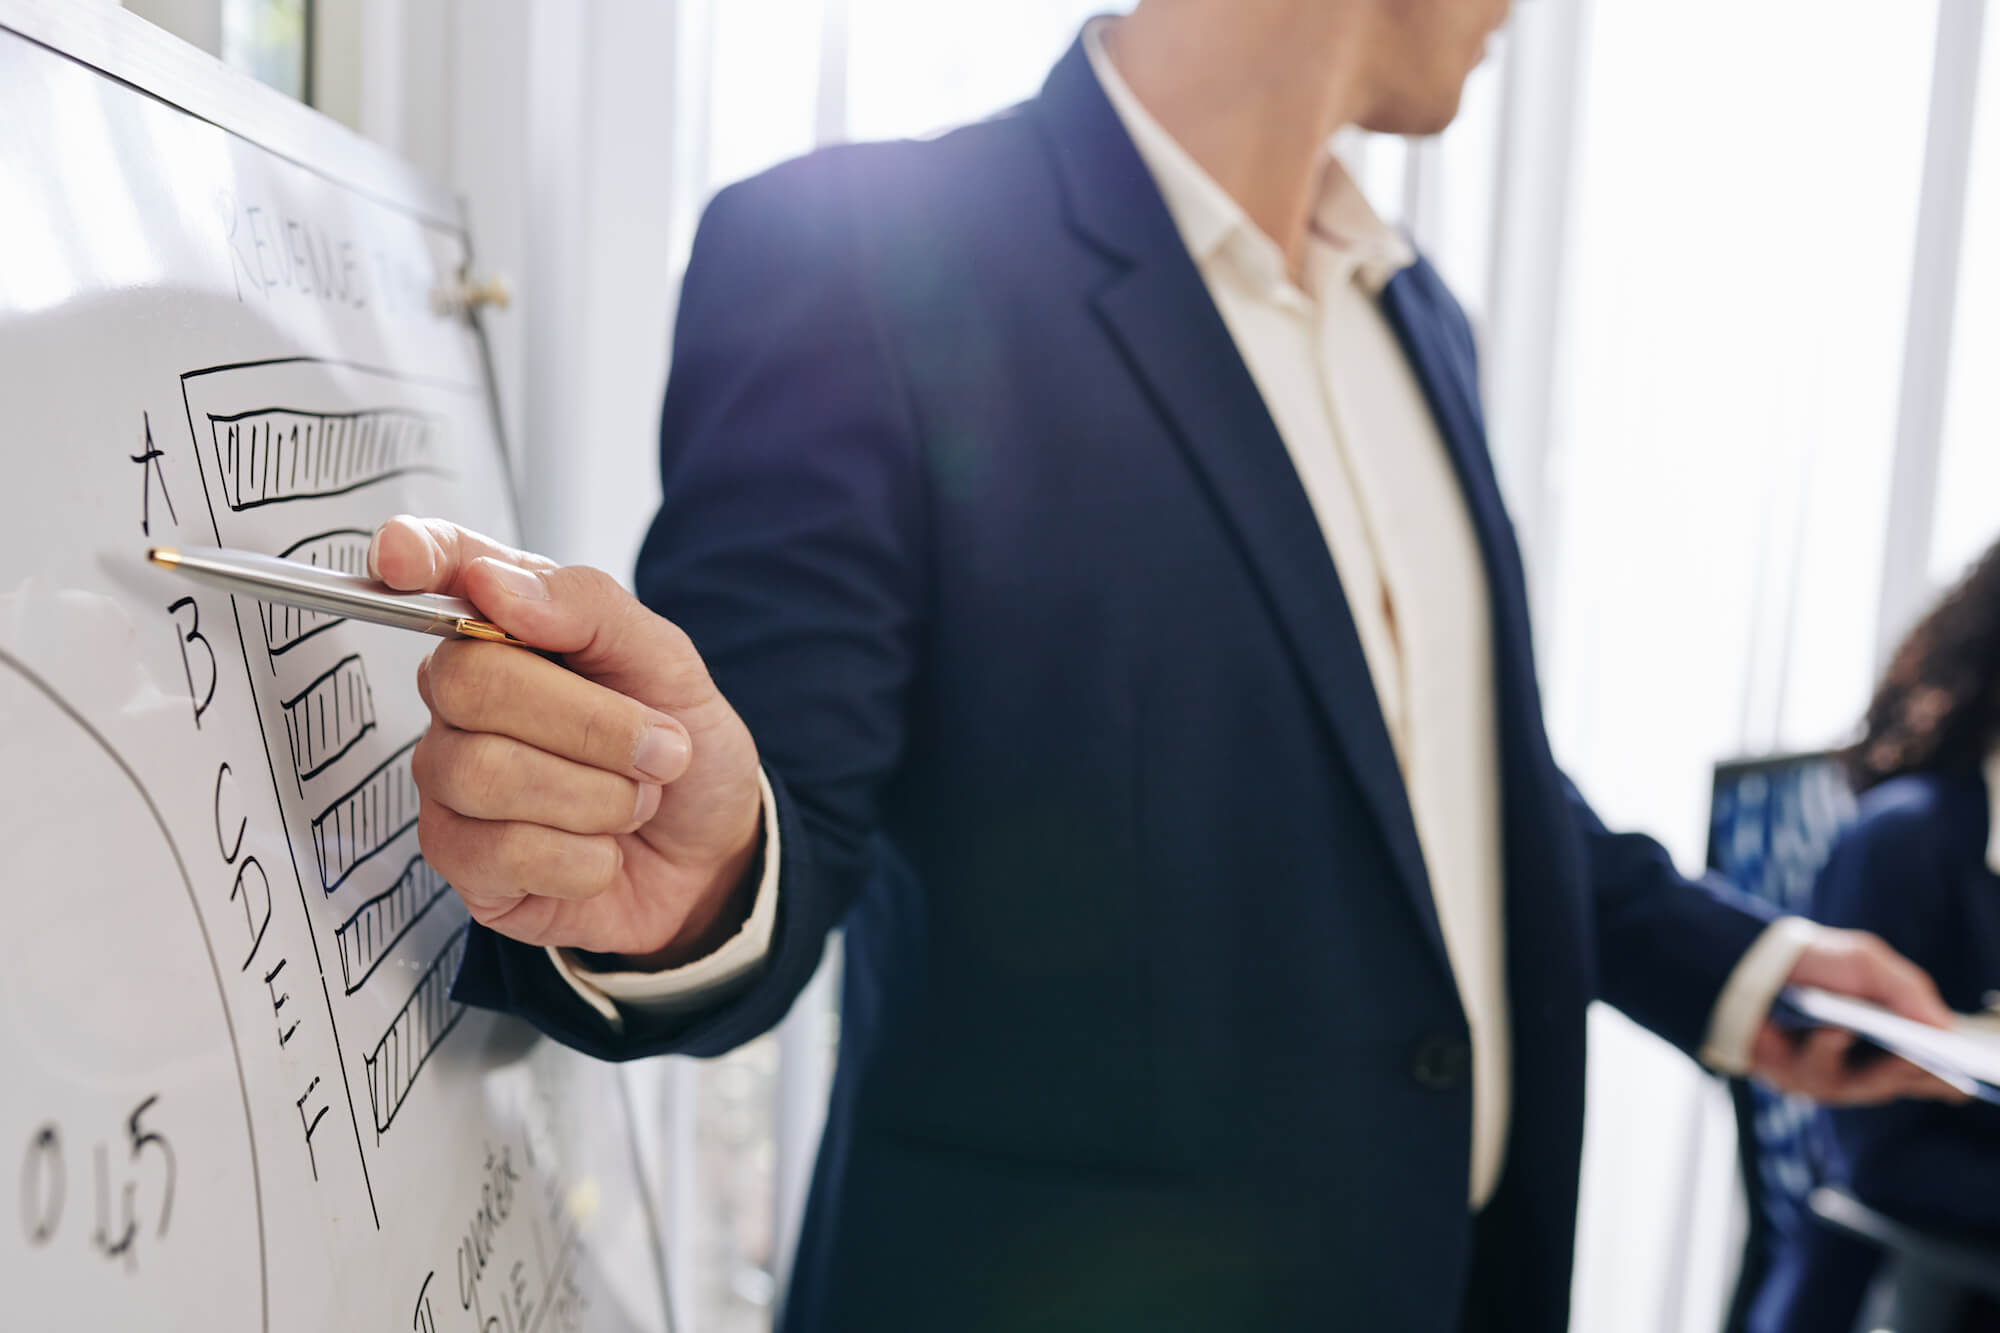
(1821, 1065)
(1900, 985)
(489, 687)
(489, 860)
(1886, 1079)
(1773, 1050)
(1908, 1080)
(1810, 1065)
(490, 777)
(601, 630)
(1928, 1086)
(430, 555)
(1822, 1060)
(1853, 962)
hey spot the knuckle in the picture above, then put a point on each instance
(603, 868)
(487, 772)
(677, 641)
(446, 679)
(423, 763)
(585, 585)
(604, 733)
(435, 838)
(516, 847)
(461, 682)
(487, 911)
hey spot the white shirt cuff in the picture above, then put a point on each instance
(691, 986)
(1747, 996)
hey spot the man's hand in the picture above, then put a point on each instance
(1820, 1064)
(610, 803)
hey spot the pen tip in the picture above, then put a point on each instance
(164, 555)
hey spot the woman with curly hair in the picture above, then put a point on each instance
(1921, 868)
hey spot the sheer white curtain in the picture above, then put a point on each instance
(1726, 410)
(1968, 491)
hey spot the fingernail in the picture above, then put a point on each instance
(662, 753)
(518, 582)
(374, 556)
(649, 803)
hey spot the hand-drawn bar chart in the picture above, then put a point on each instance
(285, 476)
(415, 1032)
(367, 818)
(328, 717)
(275, 454)
(365, 938)
(286, 627)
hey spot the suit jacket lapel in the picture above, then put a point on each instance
(1159, 312)
(1439, 346)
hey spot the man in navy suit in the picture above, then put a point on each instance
(1081, 576)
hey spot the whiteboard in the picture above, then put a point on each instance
(234, 1091)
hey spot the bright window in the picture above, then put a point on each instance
(1968, 502)
(763, 61)
(1725, 421)
(917, 65)
(269, 40)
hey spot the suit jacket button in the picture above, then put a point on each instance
(1441, 1063)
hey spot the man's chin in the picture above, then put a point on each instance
(1415, 118)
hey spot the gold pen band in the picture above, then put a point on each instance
(485, 630)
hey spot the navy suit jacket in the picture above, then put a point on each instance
(1913, 870)
(977, 517)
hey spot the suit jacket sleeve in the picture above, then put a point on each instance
(1922, 1162)
(789, 545)
(1666, 945)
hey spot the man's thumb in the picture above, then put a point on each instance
(600, 630)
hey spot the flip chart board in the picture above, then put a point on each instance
(235, 1093)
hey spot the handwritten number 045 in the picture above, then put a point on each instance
(45, 1182)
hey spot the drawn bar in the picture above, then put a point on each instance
(276, 454)
(379, 924)
(366, 819)
(344, 549)
(327, 717)
(423, 1022)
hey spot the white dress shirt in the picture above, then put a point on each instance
(1993, 824)
(1353, 418)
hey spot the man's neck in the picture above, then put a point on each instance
(1252, 90)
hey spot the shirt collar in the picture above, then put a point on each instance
(1353, 239)
(1993, 823)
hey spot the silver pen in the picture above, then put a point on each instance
(270, 579)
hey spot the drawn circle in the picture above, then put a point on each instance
(126, 1104)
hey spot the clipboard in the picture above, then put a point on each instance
(1966, 1055)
